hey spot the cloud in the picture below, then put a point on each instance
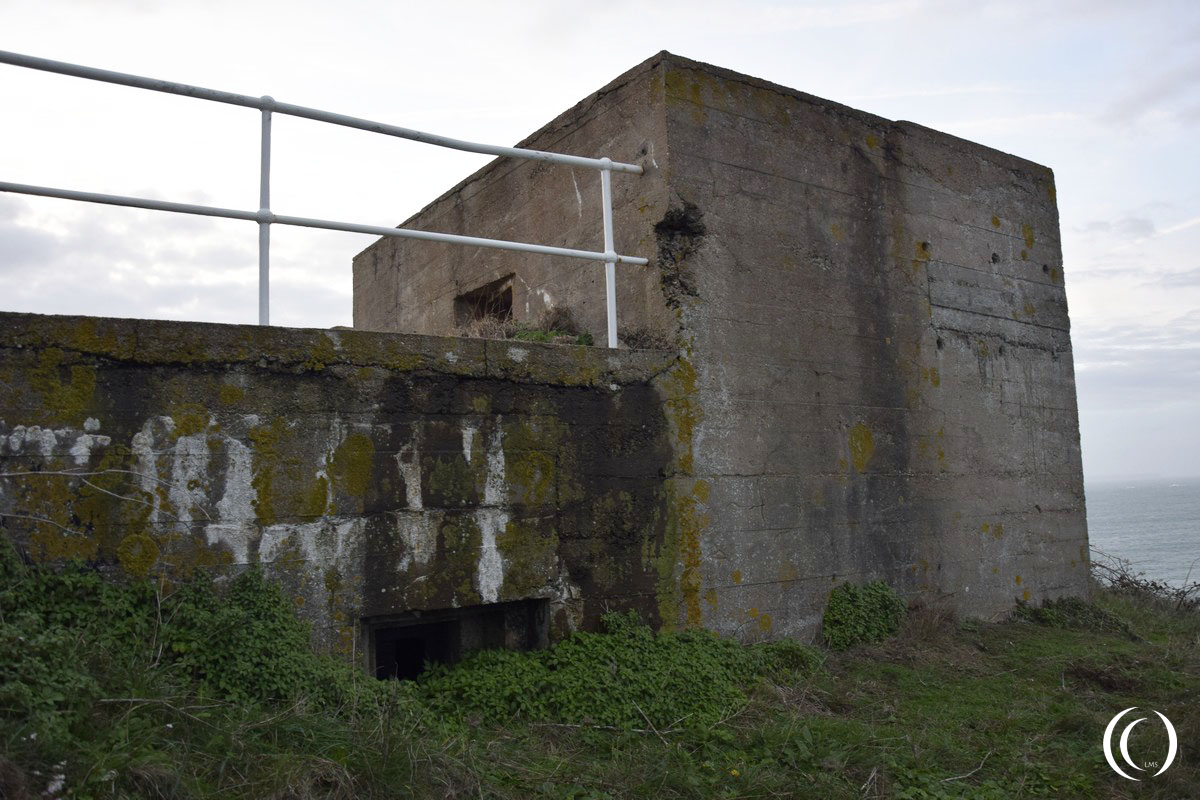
(1140, 366)
(1155, 93)
(1180, 280)
(122, 262)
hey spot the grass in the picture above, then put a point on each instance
(944, 709)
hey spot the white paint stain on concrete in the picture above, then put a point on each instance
(517, 354)
(468, 439)
(408, 462)
(234, 526)
(489, 574)
(495, 483)
(81, 450)
(418, 531)
(188, 489)
(52, 443)
(492, 519)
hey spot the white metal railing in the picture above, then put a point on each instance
(266, 218)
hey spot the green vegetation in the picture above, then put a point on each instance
(555, 325)
(861, 615)
(210, 690)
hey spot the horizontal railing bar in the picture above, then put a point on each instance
(308, 222)
(266, 104)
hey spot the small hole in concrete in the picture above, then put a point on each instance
(940, 343)
(1046, 268)
(995, 258)
(491, 301)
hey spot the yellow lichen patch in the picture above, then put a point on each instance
(753, 612)
(764, 622)
(137, 554)
(1030, 310)
(862, 446)
(997, 531)
(710, 597)
(1055, 275)
(872, 141)
(932, 375)
(679, 600)
(1024, 255)
(1017, 580)
(481, 403)
(995, 221)
(1027, 235)
(838, 234)
(683, 412)
(1026, 595)
(736, 576)
(298, 601)
(986, 527)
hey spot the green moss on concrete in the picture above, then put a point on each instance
(323, 352)
(137, 554)
(230, 395)
(530, 559)
(316, 500)
(265, 451)
(189, 418)
(452, 483)
(529, 462)
(350, 466)
(460, 542)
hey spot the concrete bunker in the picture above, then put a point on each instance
(870, 377)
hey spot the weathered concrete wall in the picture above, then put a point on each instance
(372, 474)
(880, 332)
(875, 375)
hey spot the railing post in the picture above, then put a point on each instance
(610, 262)
(264, 222)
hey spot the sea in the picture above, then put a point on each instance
(1152, 523)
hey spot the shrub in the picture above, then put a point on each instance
(861, 614)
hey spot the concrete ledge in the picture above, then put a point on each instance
(159, 342)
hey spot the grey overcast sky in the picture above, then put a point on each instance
(1105, 93)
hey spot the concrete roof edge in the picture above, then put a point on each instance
(841, 108)
(560, 121)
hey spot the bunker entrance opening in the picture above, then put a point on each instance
(403, 646)
(491, 301)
